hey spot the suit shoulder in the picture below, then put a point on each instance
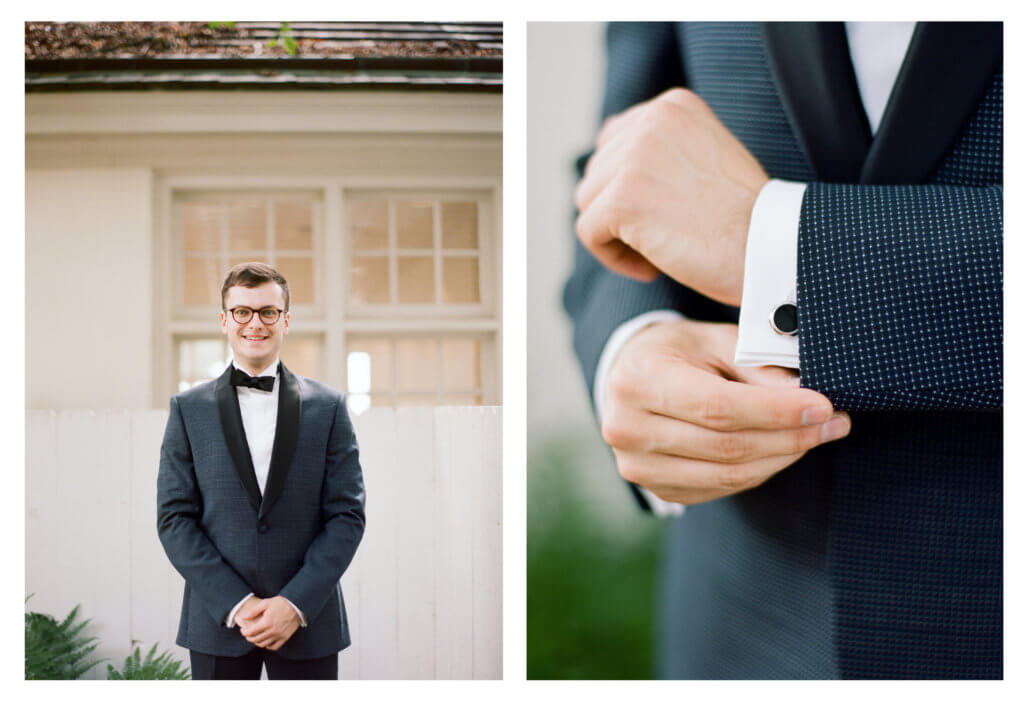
(316, 390)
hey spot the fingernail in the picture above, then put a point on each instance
(836, 428)
(816, 415)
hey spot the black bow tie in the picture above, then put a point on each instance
(241, 379)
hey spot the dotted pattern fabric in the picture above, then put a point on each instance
(899, 295)
(727, 59)
(976, 158)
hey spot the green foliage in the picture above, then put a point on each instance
(591, 566)
(222, 25)
(284, 37)
(57, 650)
(162, 667)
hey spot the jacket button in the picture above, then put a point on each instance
(263, 528)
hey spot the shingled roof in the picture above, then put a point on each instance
(62, 56)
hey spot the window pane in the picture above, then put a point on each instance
(357, 403)
(415, 224)
(461, 280)
(299, 274)
(461, 363)
(417, 364)
(415, 280)
(200, 222)
(301, 354)
(202, 281)
(200, 360)
(458, 225)
(368, 220)
(293, 224)
(370, 280)
(247, 226)
(379, 350)
(461, 400)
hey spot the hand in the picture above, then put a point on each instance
(690, 426)
(246, 610)
(270, 623)
(670, 189)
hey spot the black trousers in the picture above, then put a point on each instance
(250, 665)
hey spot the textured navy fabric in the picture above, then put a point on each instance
(215, 538)
(899, 295)
(878, 556)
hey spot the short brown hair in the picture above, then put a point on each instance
(253, 275)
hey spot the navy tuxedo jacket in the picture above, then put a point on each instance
(879, 555)
(294, 541)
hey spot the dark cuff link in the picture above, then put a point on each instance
(783, 319)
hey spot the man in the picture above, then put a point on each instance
(260, 501)
(846, 523)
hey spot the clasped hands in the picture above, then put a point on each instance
(267, 623)
(669, 189)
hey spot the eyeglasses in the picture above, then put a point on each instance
(268, 315)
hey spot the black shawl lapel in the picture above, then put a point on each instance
(818, 89)
(286, 436)
(947, 69)
(234, 436)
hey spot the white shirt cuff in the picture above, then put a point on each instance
(659, 507)
(230, 620)
(769, 277)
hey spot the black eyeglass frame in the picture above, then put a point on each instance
(253, 312)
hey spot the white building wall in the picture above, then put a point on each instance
(88, 286)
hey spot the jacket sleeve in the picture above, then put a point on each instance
(179, 510)
(342, 513)
(644, 60)
(899, 295)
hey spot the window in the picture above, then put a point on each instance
(419, 260)
(408, 315)
(415, 251)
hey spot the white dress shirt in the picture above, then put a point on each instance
(877, 50)
(259, 419)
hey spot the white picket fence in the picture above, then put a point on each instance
(424, 590)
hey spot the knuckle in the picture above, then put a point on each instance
(583, 232)
(622, 383)
(679, 95)
(717, 411)
(734, 478)
(800, 441)
(616, 432)
(630, 469)
(733, 447)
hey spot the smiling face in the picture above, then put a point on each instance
(255, 344)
